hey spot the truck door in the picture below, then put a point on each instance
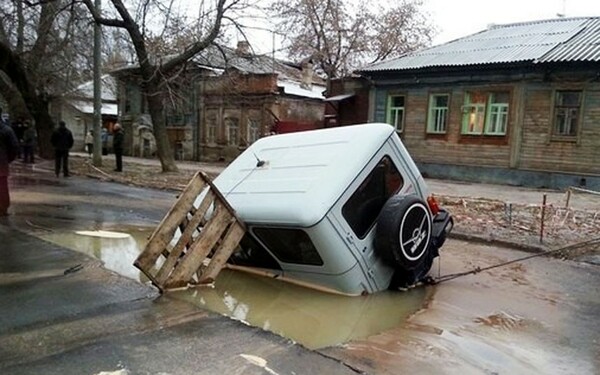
(357, 210)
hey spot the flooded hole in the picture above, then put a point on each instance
(312, 318)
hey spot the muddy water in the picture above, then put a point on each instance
(310, 317)
(313, 318)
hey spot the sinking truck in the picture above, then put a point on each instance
(343, 209)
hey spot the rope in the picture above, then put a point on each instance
(437, 280)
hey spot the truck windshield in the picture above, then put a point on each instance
(363, 207)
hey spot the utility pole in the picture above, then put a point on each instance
(97, 157)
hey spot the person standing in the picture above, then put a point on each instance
(62, 141)
(29, 142)
(9, 147)
(118, 146)
(104, 138)
(89, 142)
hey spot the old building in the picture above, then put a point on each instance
(223, 101)
(76, 108)
(517, 104)
(347, 101)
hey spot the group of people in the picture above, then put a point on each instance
(20, 139)
(118, 139)
(62, 141)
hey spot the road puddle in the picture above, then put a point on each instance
(116, 249)
(312, 318)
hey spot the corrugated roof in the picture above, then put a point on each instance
(562, 39)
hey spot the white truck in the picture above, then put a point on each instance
(342, 209)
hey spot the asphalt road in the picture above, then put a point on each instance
(536, 317)
(62, 312)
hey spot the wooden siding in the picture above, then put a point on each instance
(539, 151)
(451, 148)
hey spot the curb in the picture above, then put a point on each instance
(497, 242)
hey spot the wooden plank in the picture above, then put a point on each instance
(165, 230)
(222, 254)
(194, 257)
(186, 237)
(221, 198)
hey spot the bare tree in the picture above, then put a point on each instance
(42, 54)
(155, 71)
(339, 38)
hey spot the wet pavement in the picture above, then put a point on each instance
(64, 312)
(534, 317)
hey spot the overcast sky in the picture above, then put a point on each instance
(458, 18)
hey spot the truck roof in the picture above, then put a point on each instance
(302, 174)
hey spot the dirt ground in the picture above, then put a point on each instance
(516, 224)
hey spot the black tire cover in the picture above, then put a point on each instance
(403, 233)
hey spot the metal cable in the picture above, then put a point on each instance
(441, 279)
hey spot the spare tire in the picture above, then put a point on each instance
(403, 233)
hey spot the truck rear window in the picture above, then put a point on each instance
(289, 245)
(363, 207)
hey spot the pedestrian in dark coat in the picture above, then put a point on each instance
(62, 141)
(9, 147)
(118, 146)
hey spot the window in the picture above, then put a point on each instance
(567, 106)
(438, 113)
(497, 113)
(395, 113)
(485, 113)
(211, 129)
(363, 207)
(290, 245)
(253, 131)
(251, 253)
(233, 131)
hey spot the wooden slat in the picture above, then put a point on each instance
(194, 257)
(221, 198)
(165, 230)
(222, 254)
(186, 237)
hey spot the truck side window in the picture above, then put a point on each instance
(252, 254)
(290, 245)
(363, 207)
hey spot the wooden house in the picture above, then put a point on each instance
(225, 100)
(515, 104)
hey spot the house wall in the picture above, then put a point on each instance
(350, 111)
(540, 151)
(527, 155)
(245, 99)
(452, 147)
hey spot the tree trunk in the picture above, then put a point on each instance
(37, 104)
(163, 147)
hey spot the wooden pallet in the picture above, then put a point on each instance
(193, 241)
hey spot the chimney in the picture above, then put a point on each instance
(307, 74)
(243, 48)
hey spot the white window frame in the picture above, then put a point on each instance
(437, 122)
(491, 117)
(393, 114)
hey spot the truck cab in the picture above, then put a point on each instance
(343, 209)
